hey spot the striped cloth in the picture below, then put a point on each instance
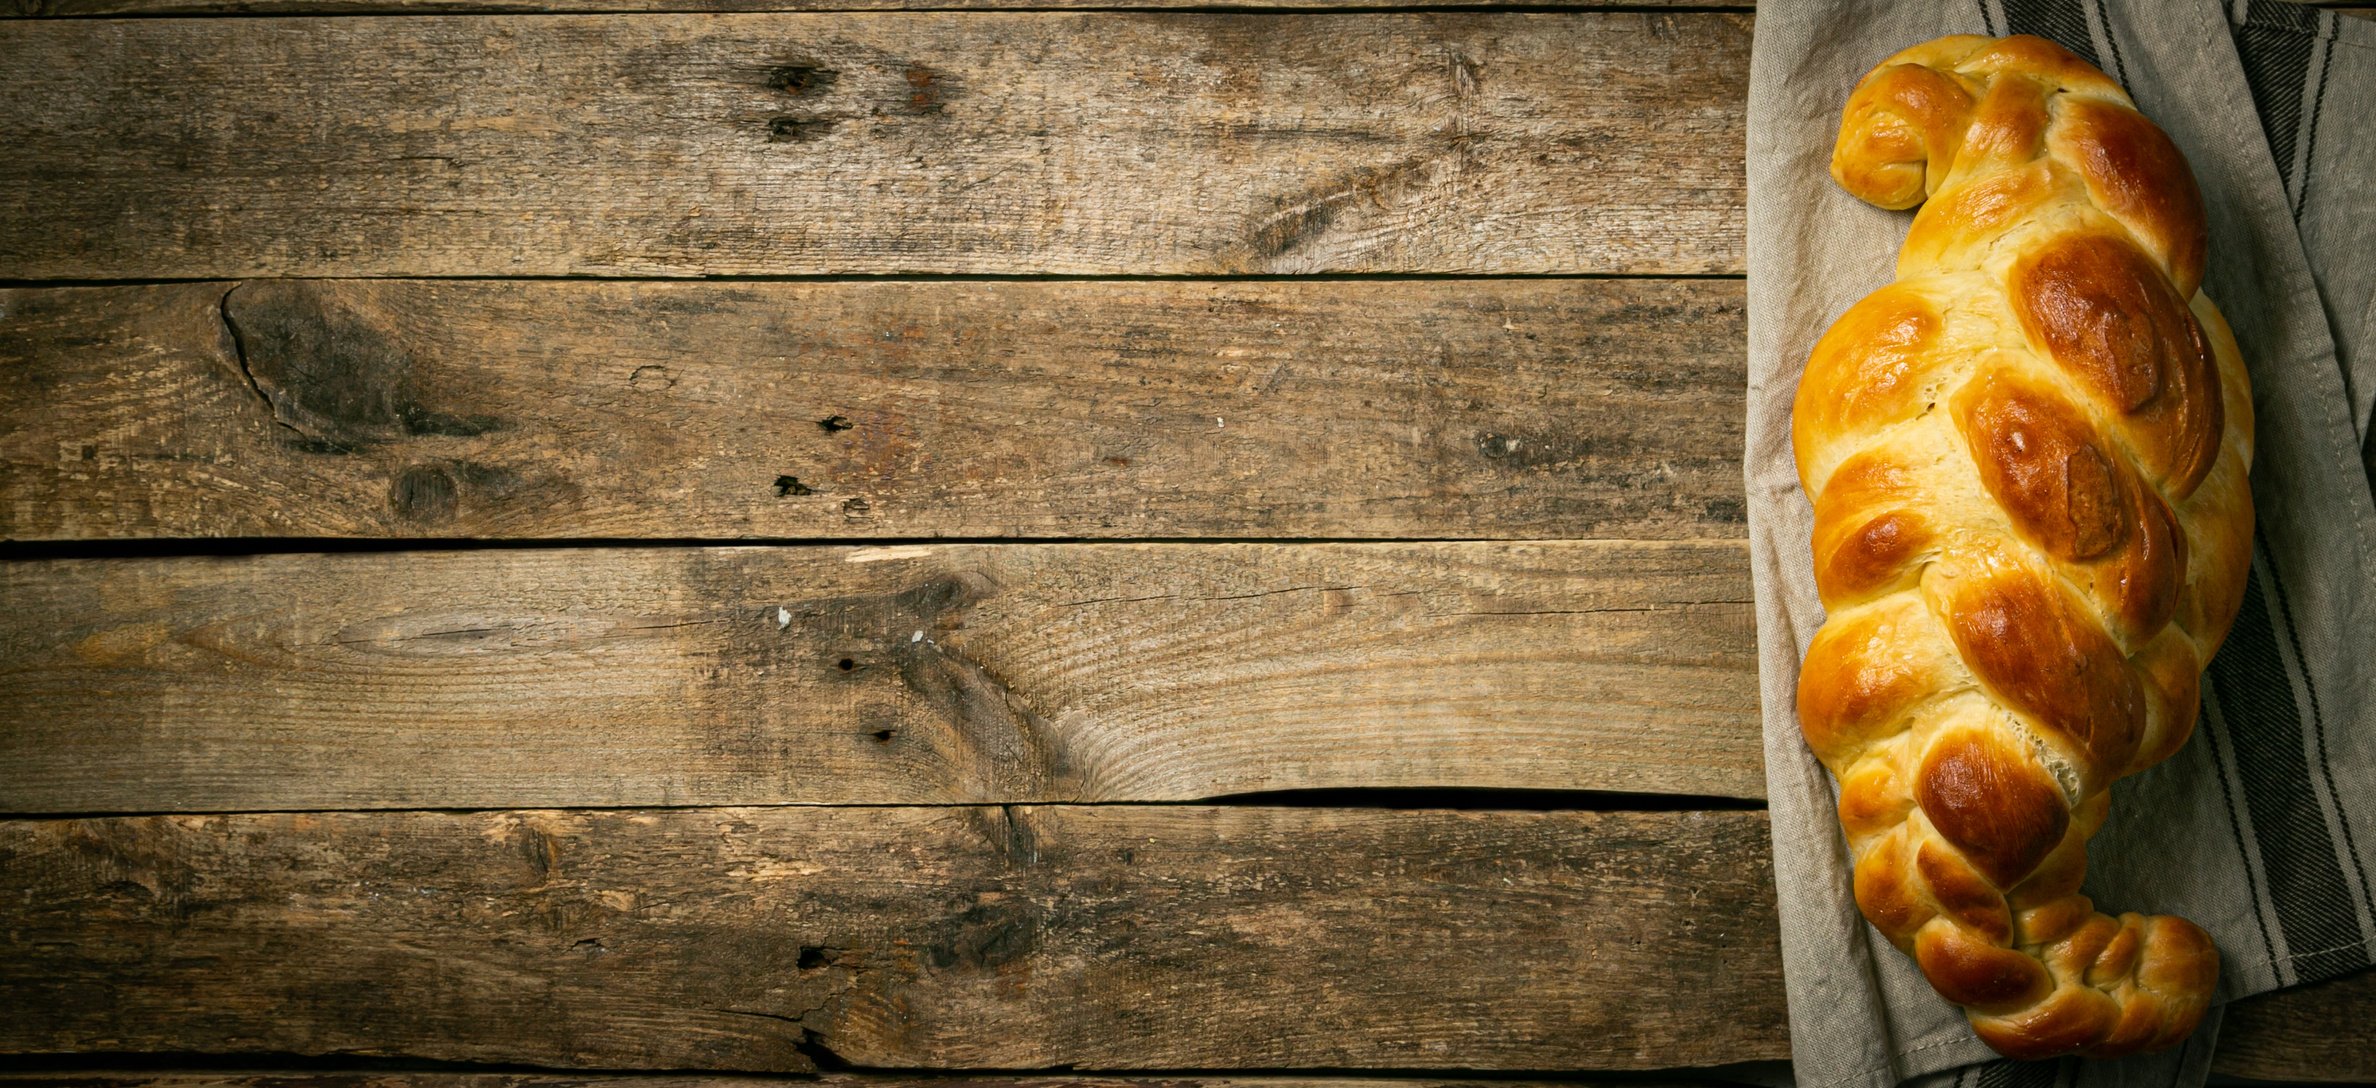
(2263, 829)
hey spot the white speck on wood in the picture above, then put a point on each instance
(876, 555)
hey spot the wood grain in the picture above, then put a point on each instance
(490, 409)
(679, 145)
(54, 8)
(1110, 937)
(913, 674)
(153, 1078)
(2325, 1031)
(65, 8)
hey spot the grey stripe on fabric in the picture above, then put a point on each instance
(2253, 678)
(2005, 1073)
(2326, 61)
(2103, 21)
(2341, 822)
(2281, 15)
(2063, 22)
(2212, 726)
(2276, 51)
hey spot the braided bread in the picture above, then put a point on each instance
(2027, 459)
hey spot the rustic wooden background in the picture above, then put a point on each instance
(619, 543)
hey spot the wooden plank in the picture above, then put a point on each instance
(66, 8)
(1113, 936)
(55, 8)
(374, 408)
(284, 1077)
(914, 674)
(2322, 1032)
(671, 145)
(60, 8)
(1106, 937)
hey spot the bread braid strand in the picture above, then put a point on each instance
(2027, 459)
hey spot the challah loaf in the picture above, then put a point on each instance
(2027, 459)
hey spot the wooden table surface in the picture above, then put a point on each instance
(634, 543)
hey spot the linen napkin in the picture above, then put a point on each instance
(2263, 829)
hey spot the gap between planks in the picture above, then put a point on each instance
(1415, 798)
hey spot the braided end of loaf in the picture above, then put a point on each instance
(2027, 459)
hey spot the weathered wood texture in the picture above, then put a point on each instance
(375, 408)
(1108, 937)
(361, 7)
(914, 674)
(424, 7)
(1008, 937)
(773, 144)
(2322, 1032)
(152, 1078)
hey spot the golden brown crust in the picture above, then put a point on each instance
(2100, 307)
(1993, 803)
(2027, 460)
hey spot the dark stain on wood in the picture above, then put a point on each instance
(434, 494)
(803, 79)
(928, 89)
(425, 493)
(1299, 219)
(542, 851)
(331, 376)
(989, 725)
(799, 130)
(986, 738)
(986, 936)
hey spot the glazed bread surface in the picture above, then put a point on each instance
(2027, 460)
